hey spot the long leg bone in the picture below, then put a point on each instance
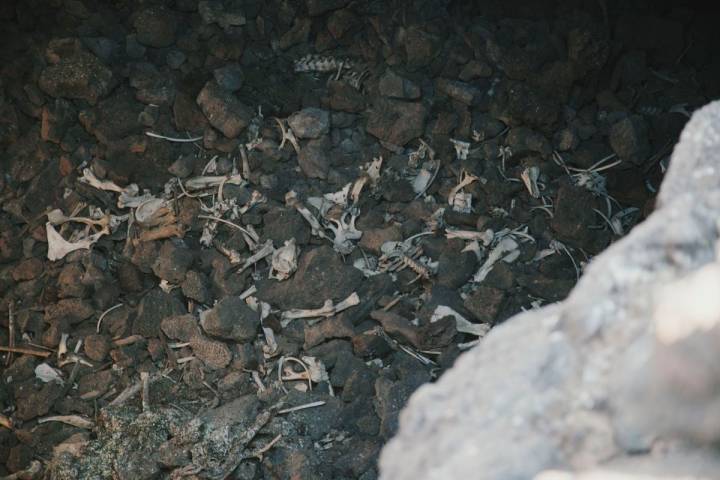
(327, 310)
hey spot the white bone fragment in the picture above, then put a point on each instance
(485, 237)
(74, 420)
(154, 212)
(318, 372)
(284, 261)
(530, 177)
(505, 246)
(46, 373)
(263, 310)
(462, 202)
(203, 182)
(465, 180)
(462, 324)
(89, 178)
(340, 197)
(345, 233)
(292, 201)
(422, 180)
(357, 188)
(266, 250)
(58, 247)
(373, 169)
(461, 148)
(327, 310)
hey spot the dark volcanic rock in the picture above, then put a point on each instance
(394, 86)
(230, 77)
(34, 402)
(460, 91)
(327, 329)
(173, 261)
(321, 275)
(154, 307)
(318, 7)
(180, 327)
(314, 158)
(57, 118)
(310, 123)
(573, 213)
(195, 287)
(421, 47)
(74, 72)
(282, 224)
(484, 303)
(390, 397)
(225, 14)
(155, 27)
(396, 122)
(97, 347)
(456, 268)
(344, 98)
(223, 110)
(629, 139)
(214, 354)
(231, 319)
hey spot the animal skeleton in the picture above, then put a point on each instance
(400, 255)
(347, 70)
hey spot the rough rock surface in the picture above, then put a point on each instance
(596, 374)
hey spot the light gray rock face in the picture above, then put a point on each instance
(624, 364)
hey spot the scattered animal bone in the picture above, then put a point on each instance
(436, 221)
(288, 374)
(46, 373)
(165, 231)
(423, 150)
(437, 165)
(284, 261)
(462, 324)
(287, 135)
(266, 250)
(372, 169)
(345, 233)
(530, 176)
(327, 310)
(324, 63)
(321, 63)
(263, 310)
(462, 202)
(506, 250)
(131, 198)
(504, 154)
(154, 212)
(232, 255)
(205, 182)
(292, 201)
(58, 247)
(318, 371)
(422, 180)
(89, 178)
(461, 148)
(74, 420)
(485, 237)
(399, 255)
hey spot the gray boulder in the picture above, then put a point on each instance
(624, 364)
